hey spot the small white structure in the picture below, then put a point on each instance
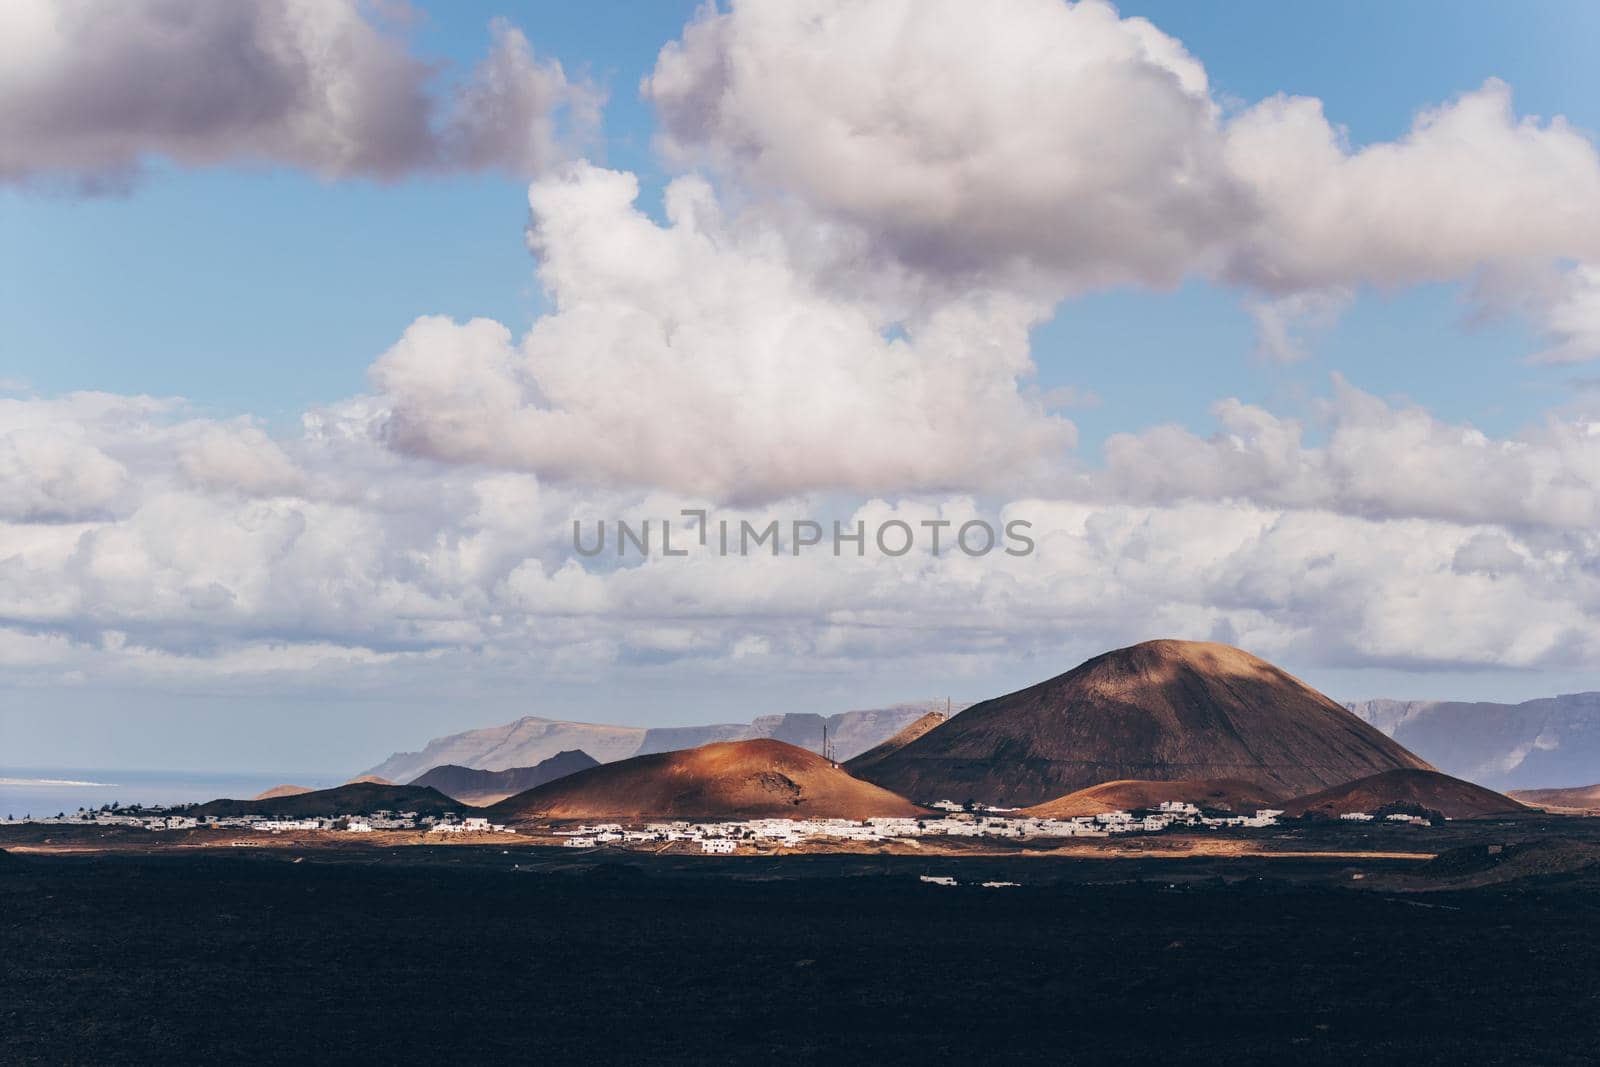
(716, 844)
(1356, 816)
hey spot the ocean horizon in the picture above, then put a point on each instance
(45, 791)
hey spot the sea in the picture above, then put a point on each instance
(46, 791)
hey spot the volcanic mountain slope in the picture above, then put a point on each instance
(877, 754)
(725, 780)
(1212, 794)
(1160, 710)
(1433, 790)
(1583, 798)
(353, 799)
(472, 786)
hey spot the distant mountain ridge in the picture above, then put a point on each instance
(1545, 743)
(531, 740)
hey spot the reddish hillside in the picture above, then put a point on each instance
(1450, 797)
(1160, 710)
(1579, 799)
(726, 780)
(1213, 794)
(877, 754)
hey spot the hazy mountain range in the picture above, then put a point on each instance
(1550, 742)
(530, 739)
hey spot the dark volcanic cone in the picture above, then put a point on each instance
(1160, 710)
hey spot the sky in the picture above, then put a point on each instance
(1280, 324)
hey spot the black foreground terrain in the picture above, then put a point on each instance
(451, 955)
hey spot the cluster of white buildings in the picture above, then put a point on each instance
(162, 819)
(1366, 816)
(141, 820)
(469, 826)
(725, 836)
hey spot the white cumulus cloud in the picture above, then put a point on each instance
(1055, 146)
(698, 356)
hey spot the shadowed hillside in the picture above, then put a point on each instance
(341, 800)
(482, 788)
(878, 753)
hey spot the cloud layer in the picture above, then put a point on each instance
(215, 555)
(829, 319)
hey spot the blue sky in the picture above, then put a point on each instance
(257, 292)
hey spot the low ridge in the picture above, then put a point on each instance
(356, 798)
(281, 791)
(1577, 799)
(1210, 794)
(1432, 790)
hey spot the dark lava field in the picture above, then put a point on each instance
(466, 955)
